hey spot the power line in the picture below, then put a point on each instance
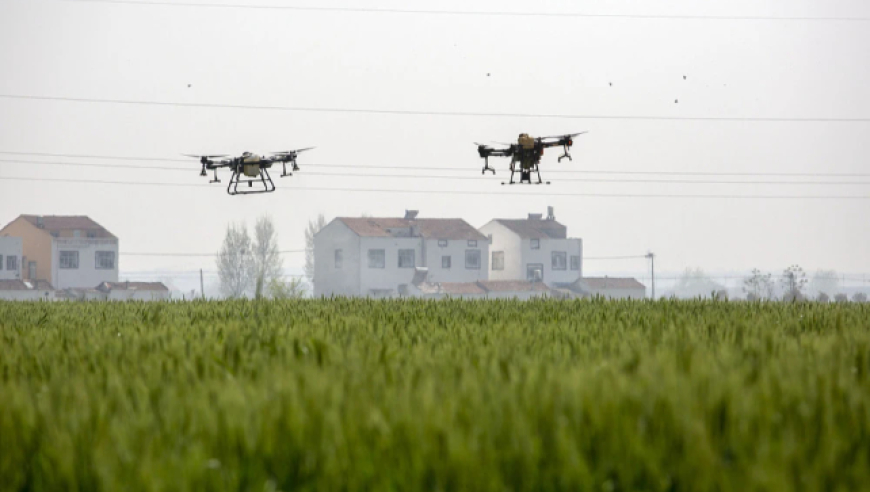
(608, 258)
(458, 192)
(431, 113)
(197, 255)
(473, 13)
(396, 168)
(461, 178)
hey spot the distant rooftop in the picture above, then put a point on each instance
(62, 223)
(535, 228)
(427, 228)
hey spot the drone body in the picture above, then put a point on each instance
(249, 168)
(526, 155)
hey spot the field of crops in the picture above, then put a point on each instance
(416, 395)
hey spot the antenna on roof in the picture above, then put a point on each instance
(550, 215)
(40, 222)
(411, 214)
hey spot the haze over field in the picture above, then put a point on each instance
(625, 67)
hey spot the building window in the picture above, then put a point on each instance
(1, 262)
(77, 233)
(92, 235)
(377, 258)
(498, 260)
(472, 259)
(105, 260)
(31, 270)
(536, 244)
(55, 234)
(575, 263)
(407, 258)
(535, 272)
(559, 260)
(442, 243)
(12, 263)
(445, 262)
(339, 259)
(472, 243)
(69, 260)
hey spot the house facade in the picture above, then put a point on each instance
(66, 251)
(10, 257)
(378, 257)
(22, 290)
(535, 249)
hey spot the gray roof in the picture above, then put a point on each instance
(535, 228)
(427, 228)
(602, 283)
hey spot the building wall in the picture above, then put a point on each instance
(26, 295)
(36, 246)
(138, 295)
(391, 276)
(10, 246)
(503, 239)
(543, 255)
(457, 272)
(618, 293)
(86, 275)
(328, 280)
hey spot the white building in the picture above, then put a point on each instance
(10, 257)
(534, 249)
(66, 251)
(23, 290)
(377, 257)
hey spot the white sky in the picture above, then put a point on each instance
(538, 65)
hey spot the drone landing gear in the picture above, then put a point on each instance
(264, 178)
(215, 180)
(294, 168)
(486, 167)
(526, 176)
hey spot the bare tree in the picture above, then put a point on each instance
(859, 297)
(314, 226)
(235, 261)
(793, 282)
(267, 261)
(695, 283)
(824, 282)
(841, 298)
(758, 286)
(823, 297)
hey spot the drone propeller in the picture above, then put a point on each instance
(291, 152)
(571, 135)
(481, 145)
(204, 156)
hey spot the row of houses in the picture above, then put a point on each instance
(65, 257)
(421, 257)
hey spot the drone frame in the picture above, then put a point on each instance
(514, 151)
(237, 167)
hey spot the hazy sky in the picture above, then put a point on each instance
(412, 62)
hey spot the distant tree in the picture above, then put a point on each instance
(721, 295)
(314, 226)
(235, 261)
(281, 289)
(824, 281)
(695, 283)
(841, 298)
(859, 297)
(267, 262)
(823, 297)
(758, 286)
(793, 282)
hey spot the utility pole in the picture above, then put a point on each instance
(652, 259)
(201, 284)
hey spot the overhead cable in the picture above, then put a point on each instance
(526, 14)
(400, 112)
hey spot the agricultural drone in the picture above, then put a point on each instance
(249, 168)
(526, 154)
